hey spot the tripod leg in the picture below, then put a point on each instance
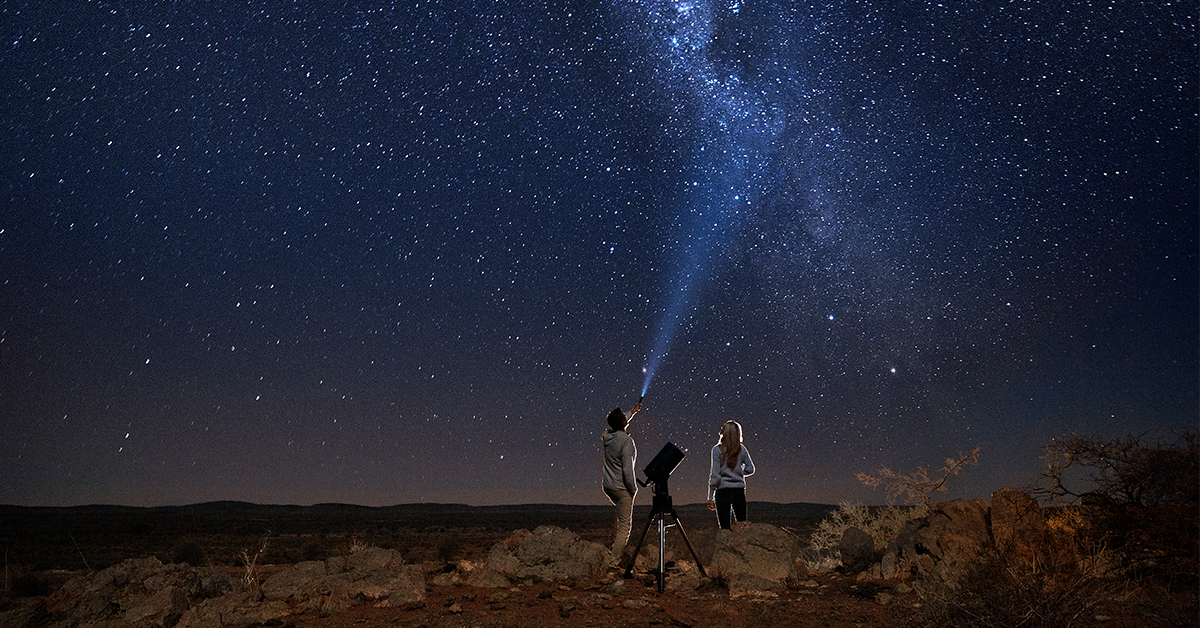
(679, 524)
(638, 549)
(662, 552)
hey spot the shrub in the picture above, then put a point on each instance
(188, 552)
(449, 547)
(1133, 498)
(917, 486)
(882, 523)
(1088, 567)
(1010, 594)
(1124, 470)
(314, 551)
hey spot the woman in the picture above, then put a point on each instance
(727, 478)
(620, 483)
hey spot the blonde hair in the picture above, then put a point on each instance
(730, 443)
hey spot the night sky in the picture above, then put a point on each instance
(383, 253)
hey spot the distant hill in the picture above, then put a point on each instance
(95, 536)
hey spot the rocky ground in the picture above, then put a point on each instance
(833, 601)
(485, 573)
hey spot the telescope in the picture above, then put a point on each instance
(657, 473)
(661, 467)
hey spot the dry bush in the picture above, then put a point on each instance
(189, 552)
(1134, 497)
(917, 487)
(249, 561)
(1009, 594)
(1124, 470)
(449, 547)
(1076, 578)
(883, 523)
(1160, 542)
(314, 550)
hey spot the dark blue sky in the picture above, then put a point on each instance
(301, 252)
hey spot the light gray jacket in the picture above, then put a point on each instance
(620, 455)
(721, 476)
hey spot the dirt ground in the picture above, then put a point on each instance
(832, 600)
(628, 603)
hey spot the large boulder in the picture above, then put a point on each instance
(753, 559)
(548, 553)
(1018, 525)
(942, 547)
(857, 550)
(145, 593)
(239, 608)
(293, 580)
(138, 592)
(371, 574)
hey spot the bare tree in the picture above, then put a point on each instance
(1126, 469)
(918, 487)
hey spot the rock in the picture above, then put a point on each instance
(942, 547)
(138, 592)
(548, 553)
(141, 592)
(152, 609)
(1018, 525)
(372, 559)
(486, 578)
(857, 549)
(93, 595)
(26, 613)
(144, 592)
(379, 578)
(753, 559)
(237, 608)
(293, 580)
(684, 577)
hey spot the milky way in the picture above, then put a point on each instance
(724, 128)
(416, 252)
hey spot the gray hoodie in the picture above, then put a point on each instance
(620, 455)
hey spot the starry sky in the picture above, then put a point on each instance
(383, 253)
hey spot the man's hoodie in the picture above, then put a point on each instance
(620, 455)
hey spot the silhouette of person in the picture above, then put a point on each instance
(727, 477)
(620, 482)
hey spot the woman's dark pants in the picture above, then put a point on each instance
(726, 499)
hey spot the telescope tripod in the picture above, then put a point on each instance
(661, 508)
